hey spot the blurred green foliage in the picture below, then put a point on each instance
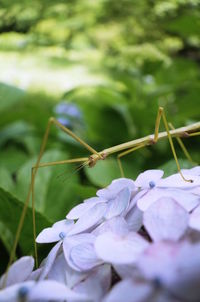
(116, 61)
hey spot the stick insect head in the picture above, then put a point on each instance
(95, 157)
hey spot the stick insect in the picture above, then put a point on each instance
(122, 149)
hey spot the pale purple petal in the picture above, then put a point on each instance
(149, 198)
(73, 241)
(52, 234)
(185, 198)
(97, 284)
(117, 206)
(90, 219)
(176, 181)
(195, 190)
(119, 250)
(165, 219)
(175, 265)
(156, 261)
(24, 265)
(142, 193)
(115, 187)
(162, 295)
(35, 274)
(95, 200)
(117, 225)
(10, 294)
(186, 276)
(126, 271)
(62, 272)
(74, 277)
(49, 261)
(134, 219)
(58, 270)
(149, 178)
(130, 291)
(194, 221)
(52, 290)
(82, 208)
(192, 171)
(84, 256)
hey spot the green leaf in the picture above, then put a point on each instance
(9, 96)
(185, 25)
(15, 131)
(54, 190)
(6, 237)
(103, 172)
(10, 211)
(5, 180)
(12, 158)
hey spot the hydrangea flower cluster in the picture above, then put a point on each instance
(68, 114)
(136, 241)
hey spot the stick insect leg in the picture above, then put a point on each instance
(156, 132)
(194, 134)
(181, 144)
(160, 114)
(42, 165)
(125, 153)
(33, 174)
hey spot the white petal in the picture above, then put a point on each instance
(19, 271)
(82, 208)
(119, 204)
(115, 187)
(119, 250)
(90, 219)
(165, 219)
(84, 256)
(52, 234)
(97, 284)
(194, 221)
(176, 181)
(146, 177)
(49, 261)
(134, 218)
(52, 290)
(129, 291)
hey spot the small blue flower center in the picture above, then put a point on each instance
(22, 293)
(152, 184)
(62, 235)
(157, 283)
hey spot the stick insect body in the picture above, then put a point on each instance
(124, 149)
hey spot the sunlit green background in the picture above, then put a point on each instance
(116, 61)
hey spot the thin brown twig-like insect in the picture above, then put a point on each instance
(124, 148)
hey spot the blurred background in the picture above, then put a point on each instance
(102, 68)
